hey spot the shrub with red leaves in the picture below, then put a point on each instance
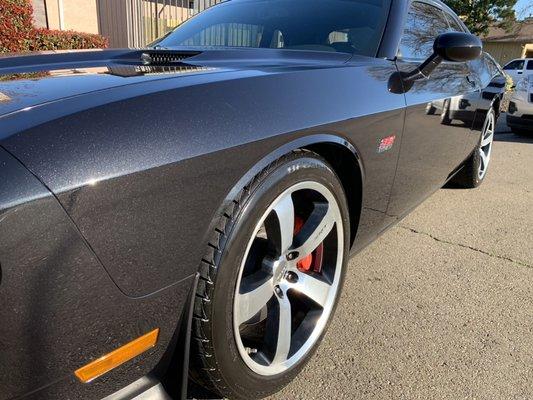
(45, 39)
(15, 25)
(17, 33)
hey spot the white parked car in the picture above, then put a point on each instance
(520, 112)
(519, 68)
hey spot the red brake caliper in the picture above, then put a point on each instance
(313, 261)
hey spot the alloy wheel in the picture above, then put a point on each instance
(485, 149)
(289, 279)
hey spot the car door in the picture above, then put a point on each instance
(473, 106)
(434, 142)
(529, 68)
(515, 69)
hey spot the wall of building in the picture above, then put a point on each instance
(78, 15)
(135, 23)
(126, 23)
(39, 14)
(503, 52)
(528, 51)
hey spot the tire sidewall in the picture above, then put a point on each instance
(237, 375)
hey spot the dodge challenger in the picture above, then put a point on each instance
(185, 212)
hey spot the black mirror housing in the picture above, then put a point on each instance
(449, 46)
(458, 46)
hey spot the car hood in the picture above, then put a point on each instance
(34, 79)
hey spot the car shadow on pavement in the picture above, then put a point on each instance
(512, 137)
(504, 134)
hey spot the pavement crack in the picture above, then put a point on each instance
(464, 246)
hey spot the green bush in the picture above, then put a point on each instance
(17, 33)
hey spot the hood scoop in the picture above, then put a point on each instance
(164, 57)
(56, 60)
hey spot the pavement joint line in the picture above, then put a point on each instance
(517, 262)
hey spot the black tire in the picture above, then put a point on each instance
(430, 109)
(469, 176)
(445, 115)
(215, 360)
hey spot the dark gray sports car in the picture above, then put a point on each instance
(185, 212)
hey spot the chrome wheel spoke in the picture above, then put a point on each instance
(315, 230)
(313, 288)
(279, 312)
(281, 228)
(485, 147)
(484, 159)
(284, 331)
(488, 139)
(255, 297)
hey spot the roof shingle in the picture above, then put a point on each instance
(521, 33)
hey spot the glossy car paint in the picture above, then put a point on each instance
(437, 148)
(136, 201)
(60, 308)
(520, 110)
(111, 180)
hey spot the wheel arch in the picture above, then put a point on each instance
(346, 165)
(343, 157)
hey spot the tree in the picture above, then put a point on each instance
(479, 15)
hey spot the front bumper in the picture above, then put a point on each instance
(520, 113)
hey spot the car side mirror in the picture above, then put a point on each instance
(457, 47)
(449, 46)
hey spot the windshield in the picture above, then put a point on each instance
(348, 26)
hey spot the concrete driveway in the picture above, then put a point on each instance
(441, 306)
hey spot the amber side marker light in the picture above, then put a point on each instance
(117, 357)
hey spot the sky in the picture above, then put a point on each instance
(522, 4)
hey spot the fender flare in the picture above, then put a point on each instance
(299, 143)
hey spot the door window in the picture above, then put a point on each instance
(514, 65)
(529, 65)
(424, 23)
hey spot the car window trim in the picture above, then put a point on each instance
(442, 10)
(457, 21)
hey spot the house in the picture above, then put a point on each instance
(126, 23)
(76, 15)
(505, 46)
